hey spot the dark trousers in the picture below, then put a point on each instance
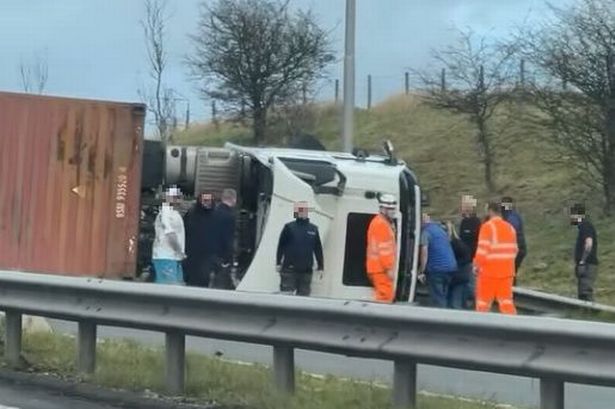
(222, 278)
(459, 288)
(439, 285)
(586, 277)
(294, 282)
(199, 271)
(518, 261)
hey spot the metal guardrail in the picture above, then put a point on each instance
(545, 303)
(554, 350)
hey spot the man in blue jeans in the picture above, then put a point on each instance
(438, 264)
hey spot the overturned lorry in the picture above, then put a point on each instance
(80, 188)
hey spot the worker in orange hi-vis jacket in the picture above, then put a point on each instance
(382, 250)
(495, 262)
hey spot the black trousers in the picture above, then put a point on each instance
(299, 283)
(586, 277)
(518, 261)
(198, 272)
(222, 277)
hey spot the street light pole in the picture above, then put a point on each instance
(349, 76)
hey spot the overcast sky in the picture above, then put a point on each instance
(95, 48)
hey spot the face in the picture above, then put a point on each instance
(206, 200)
(390, 213)
(576, 219)
(301, 211)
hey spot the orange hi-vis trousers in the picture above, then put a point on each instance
(383, 287)
(492, 288)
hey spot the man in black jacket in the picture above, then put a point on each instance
(470, 223)
(201, 244)
(225, 231)
(585, 253)
(299, 243)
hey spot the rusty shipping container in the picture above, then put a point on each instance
(70, 175)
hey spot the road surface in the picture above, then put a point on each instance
(16, 396)
(479, 385)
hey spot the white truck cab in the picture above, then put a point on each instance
(341, 190)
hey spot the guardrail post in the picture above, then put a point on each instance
(404, 384)
(12, 345)
(175, 362)
(551, 393)
(284, 368)
(86, 358)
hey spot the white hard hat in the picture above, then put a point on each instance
(388, 201)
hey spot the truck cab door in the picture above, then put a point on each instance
(287, 189)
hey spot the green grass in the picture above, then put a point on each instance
(440, 147)
(129, 366)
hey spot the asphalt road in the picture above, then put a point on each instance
(479, 385)
(15, 396)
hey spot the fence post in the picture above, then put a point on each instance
(188, 115)
(404, 385)
(284, 368)
(522, 73)
(86, 347)
(175, 362)
(337, 91)
(443, 80)
(369, 92)
(407, 82)
(12, 346)
(551, 393)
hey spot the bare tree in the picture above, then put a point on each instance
(252, 55)
(476, 79)
(577, 47)
(34, 74)
(159, 98)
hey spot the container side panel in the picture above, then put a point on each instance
(69, 185)
(126, 173)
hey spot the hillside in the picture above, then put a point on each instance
(440, 148)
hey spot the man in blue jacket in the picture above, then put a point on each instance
(438, 263)
(299, 243)
(514, 218)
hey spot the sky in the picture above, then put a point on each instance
(95, 48)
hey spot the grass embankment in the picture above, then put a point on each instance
(130, 366)
(440, 147)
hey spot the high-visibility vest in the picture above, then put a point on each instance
(497, 249)
(381, 247)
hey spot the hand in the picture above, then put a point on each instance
(422, 278)
(320, 274)
(278, 268)
(581, 263)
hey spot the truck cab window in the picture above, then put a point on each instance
(355, 273)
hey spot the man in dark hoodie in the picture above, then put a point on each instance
(201, 244)
(225, 231)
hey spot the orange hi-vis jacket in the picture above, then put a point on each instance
(381, 246)
(497, 249)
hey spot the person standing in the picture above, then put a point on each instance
(495, 262)
(168, 249)
(298, 244)
(382, 249)
(510, 214)
(225, 230)
(201, 242)
(470, 223)
(468, 233)
(438, 264)
(458, 290)
(585, 253)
